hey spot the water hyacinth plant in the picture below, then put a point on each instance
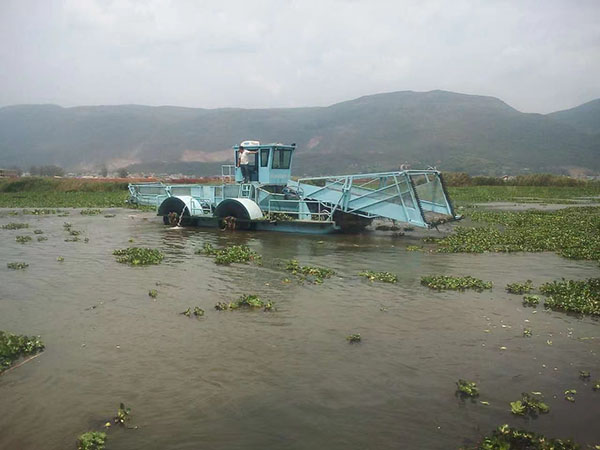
(386, 277)
(245, 301)
(231, 254)
(530, 231)
(21, 239)
(445, 282)
(570, 395)
(122, 415)
(581, 297)
(14, 346)
(15, 226)
(137, 256)
(531, 300)
(38, 231)
(354, 338)
(40, 212)
(520, 288)
(530, 403)
(467, 388)
(17, 265)
(318, 274)
(153, 293)
(198, 312)
(507, 438)
(92, 440)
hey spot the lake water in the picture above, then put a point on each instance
(286, 379)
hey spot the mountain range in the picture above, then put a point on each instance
(451, 131)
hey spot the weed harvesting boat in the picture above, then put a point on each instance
(269, 199)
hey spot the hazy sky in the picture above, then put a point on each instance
(538, 56)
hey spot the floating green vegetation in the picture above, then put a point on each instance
(507, 438)
(21, 239)
(15, 346)
(531, 300)
(318, 274)
(520, 288)
(571, 232)
(72, 239)
(530, 403)
(547, 194)
(15, 226)
(386, 277)
(17, 265)
(198, 312)
(122, 415)
(38, 231)
(90, 212)
(92, 440)
(153, 293)
(137, 256)
(445, 282)
(60, 258)
(527, 332)
(110, 216)
(354, 338)
(42, 238)
(74, 232)
(40, 212)
(245, 301)
(467, 388)
(67, 225)
(585, 374)
(581, 297)
(570, 395)
(231, 254)
(596, 386)
(413, 248)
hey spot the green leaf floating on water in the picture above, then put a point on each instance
(508, 438)
(578, 296)
(231, 254)
(467, 388)
(530, 403)
(386, 277)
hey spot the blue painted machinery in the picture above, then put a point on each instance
(272, 200)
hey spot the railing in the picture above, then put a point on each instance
(323, 213)
(228, 173)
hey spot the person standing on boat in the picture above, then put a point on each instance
(244, 163)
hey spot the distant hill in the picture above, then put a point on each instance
(585, 117)
(452, 131)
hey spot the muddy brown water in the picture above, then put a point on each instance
(286, 379)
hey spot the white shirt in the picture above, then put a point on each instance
(244, 157)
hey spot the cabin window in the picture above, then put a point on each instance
(281, 159)
(264, 157)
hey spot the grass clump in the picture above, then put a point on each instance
(14, 346)
(92, 440)
(507, 438)
(581, 297)
(386, 277)
(137, 256)
(90, 212)
(354, 338)
(531, 404)
(17, 265)
(22, 239)
(520, 288)
(531, 300)
(318, 274)
(245, 301)
(445, 282)
(15, 226)
(231, 254)
(467, 388)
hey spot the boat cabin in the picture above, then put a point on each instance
(267, 163)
